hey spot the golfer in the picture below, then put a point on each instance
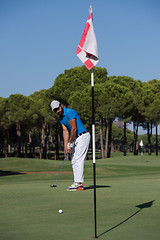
(76, 139)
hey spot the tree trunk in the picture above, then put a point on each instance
(135, 127)
(43, 142)
(33, 144)
(18, 140)
(40, 146)
(106, 144)
(5, 146)
(149, 134)
(26, 147)
(101, 135)
(156, 139)
(125, 141)
(56, 154)
(1, 145)
(30, 143)
(47, 141)
(109, 138)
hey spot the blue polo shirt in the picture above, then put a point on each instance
(69, 114)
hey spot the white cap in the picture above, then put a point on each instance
(55, 104)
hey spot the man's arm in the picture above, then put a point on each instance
(65, 137)
(73, 134)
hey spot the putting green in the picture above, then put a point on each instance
(128, 201)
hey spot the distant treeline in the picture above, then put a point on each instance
(28, 126)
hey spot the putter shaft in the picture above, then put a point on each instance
(55, 185)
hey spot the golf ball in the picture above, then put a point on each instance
(60, 211)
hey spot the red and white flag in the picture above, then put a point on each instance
(87, 50)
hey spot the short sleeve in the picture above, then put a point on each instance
(70, 114)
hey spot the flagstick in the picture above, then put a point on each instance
(93, 150)
(86, 49)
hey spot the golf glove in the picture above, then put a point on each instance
(69, 145)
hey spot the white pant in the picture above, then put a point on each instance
(79, 153)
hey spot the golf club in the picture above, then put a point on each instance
(55, 185)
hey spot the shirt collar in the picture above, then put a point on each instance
(64, 111)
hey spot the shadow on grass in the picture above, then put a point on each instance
(7, 173)
(141, 207)
(97, 186)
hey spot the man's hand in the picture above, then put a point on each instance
(69, 147)
(67, 140)
(68, 151)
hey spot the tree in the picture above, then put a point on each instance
(43, 120)
(15, 119)
(29, 122)
(3, 129)
(127, 102)
(109, 97)
(137, 116)
(74, 79)
(151, 109)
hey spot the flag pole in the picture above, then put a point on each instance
(93, 152)
(87, 52)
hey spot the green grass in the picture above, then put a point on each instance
(29, 207)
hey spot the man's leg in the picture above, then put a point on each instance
(78, 157)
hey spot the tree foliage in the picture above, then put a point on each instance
(27, 124)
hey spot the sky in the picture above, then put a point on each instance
(39, 39)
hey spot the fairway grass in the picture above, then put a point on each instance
(29, 206)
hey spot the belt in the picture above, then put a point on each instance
(81, 134)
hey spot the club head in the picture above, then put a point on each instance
(53, 185)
